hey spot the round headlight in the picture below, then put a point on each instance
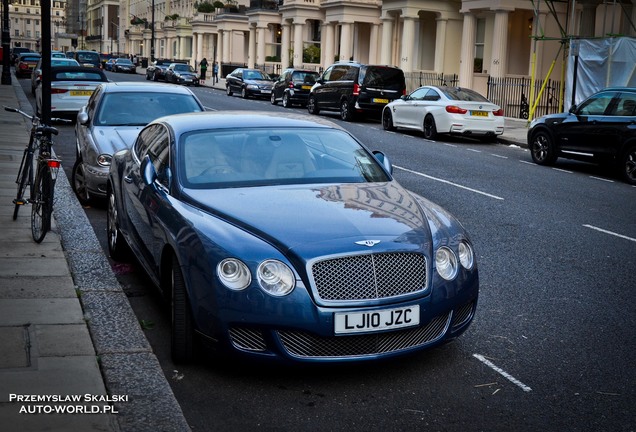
(446, 263)
(234, 274)
(275, 278)
(466, 255)
(104, 160)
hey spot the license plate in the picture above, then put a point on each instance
(81, 92)
(305, 87)
(384, 101)
(371, 321)
(266, 91)
(479, 113)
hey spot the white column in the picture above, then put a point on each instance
(251, 51)
(387, 41)
(328, 52)
(227, 36)
(345, 41)
(183, 51)
(260, 47)
(467, 62)
(284, 45)
(373, 43)
(199, 47)
(298, 43)
(440, 44)
(499, 45)
(408, 36)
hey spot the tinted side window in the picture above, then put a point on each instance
(626, 105)
(158, 151)
(351, 75)
(338, 73)
(432, 95)
(147, 138)
(597, 104)
(384, 77)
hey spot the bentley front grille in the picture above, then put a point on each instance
(370, 276)
(306, 345)
(247, 339)
(462, 315)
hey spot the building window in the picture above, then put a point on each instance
(16, 33)
(28, 21)
(480, 36)
(28, 10)
(28, 33)
(37, 34)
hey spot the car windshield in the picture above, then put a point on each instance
(122, 109)
(384, 77)
(88, 57)
(463, 94)
(183, 68)
(123, 61)
(77, 76)
(254, 75)
(251, 157)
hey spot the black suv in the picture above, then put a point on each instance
(354, 88)
(293, 86)
(600, 129)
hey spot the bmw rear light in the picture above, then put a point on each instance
(356, 90)
(452, 109)
(58, 90)
(291, 85)
(23, 66)
(498, 112)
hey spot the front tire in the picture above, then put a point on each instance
(228, 90)
(182, 331)
(244, 94)
(628, 165)
(312, 105)
(78, 180)
(387, 120)
(542, 148)
(286, 103)
(430, 129)
(42, 204)
(117, 246)
(272, 99)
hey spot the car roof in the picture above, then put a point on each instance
(132, 87)
(181, 123)
(79, 69)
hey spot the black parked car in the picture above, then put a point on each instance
(293, 86)
(354, 88)
(157, 70)
(181, 73)
(248, 82)
(124, 65)
(601, 129)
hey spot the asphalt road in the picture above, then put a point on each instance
(551, 347)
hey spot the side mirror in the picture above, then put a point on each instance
(404, 97)
(82, 117)
(384, 160)
(148, 171)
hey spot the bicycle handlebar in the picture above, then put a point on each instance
(42, 128)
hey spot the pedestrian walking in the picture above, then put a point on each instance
(215, 73)
(204, 68)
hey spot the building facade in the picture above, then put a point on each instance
(26, 29)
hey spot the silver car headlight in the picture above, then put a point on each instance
(466, 255)
(446, 263)
(234, 274)
(104, 160)
(252, 86)
(275, 277)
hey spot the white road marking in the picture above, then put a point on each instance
(609, 232)
(449, 183)
(502, 372)
(499, 156)
(602, 179)
(562, 170)
(474, 150)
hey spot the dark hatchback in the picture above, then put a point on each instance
(601, 129)
(354, 88)
(293, 86)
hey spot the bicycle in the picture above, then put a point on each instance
(41, 185)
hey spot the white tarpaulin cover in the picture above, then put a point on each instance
(602, 63)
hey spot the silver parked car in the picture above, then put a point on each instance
(110, 122)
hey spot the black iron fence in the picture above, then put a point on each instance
(418, 79)
(513, 93)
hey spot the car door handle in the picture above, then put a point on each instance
(128, 179)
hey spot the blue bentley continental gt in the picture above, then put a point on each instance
(282, 237)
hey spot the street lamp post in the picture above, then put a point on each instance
(152, 32)
(6, 44)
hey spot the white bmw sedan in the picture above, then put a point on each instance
(445, 110)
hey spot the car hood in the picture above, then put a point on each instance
(111, 139)
(322, 218)
(259, 82)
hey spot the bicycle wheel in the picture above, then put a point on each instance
(42, 203)
(25, 177)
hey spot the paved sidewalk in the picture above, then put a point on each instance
(70, 341)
